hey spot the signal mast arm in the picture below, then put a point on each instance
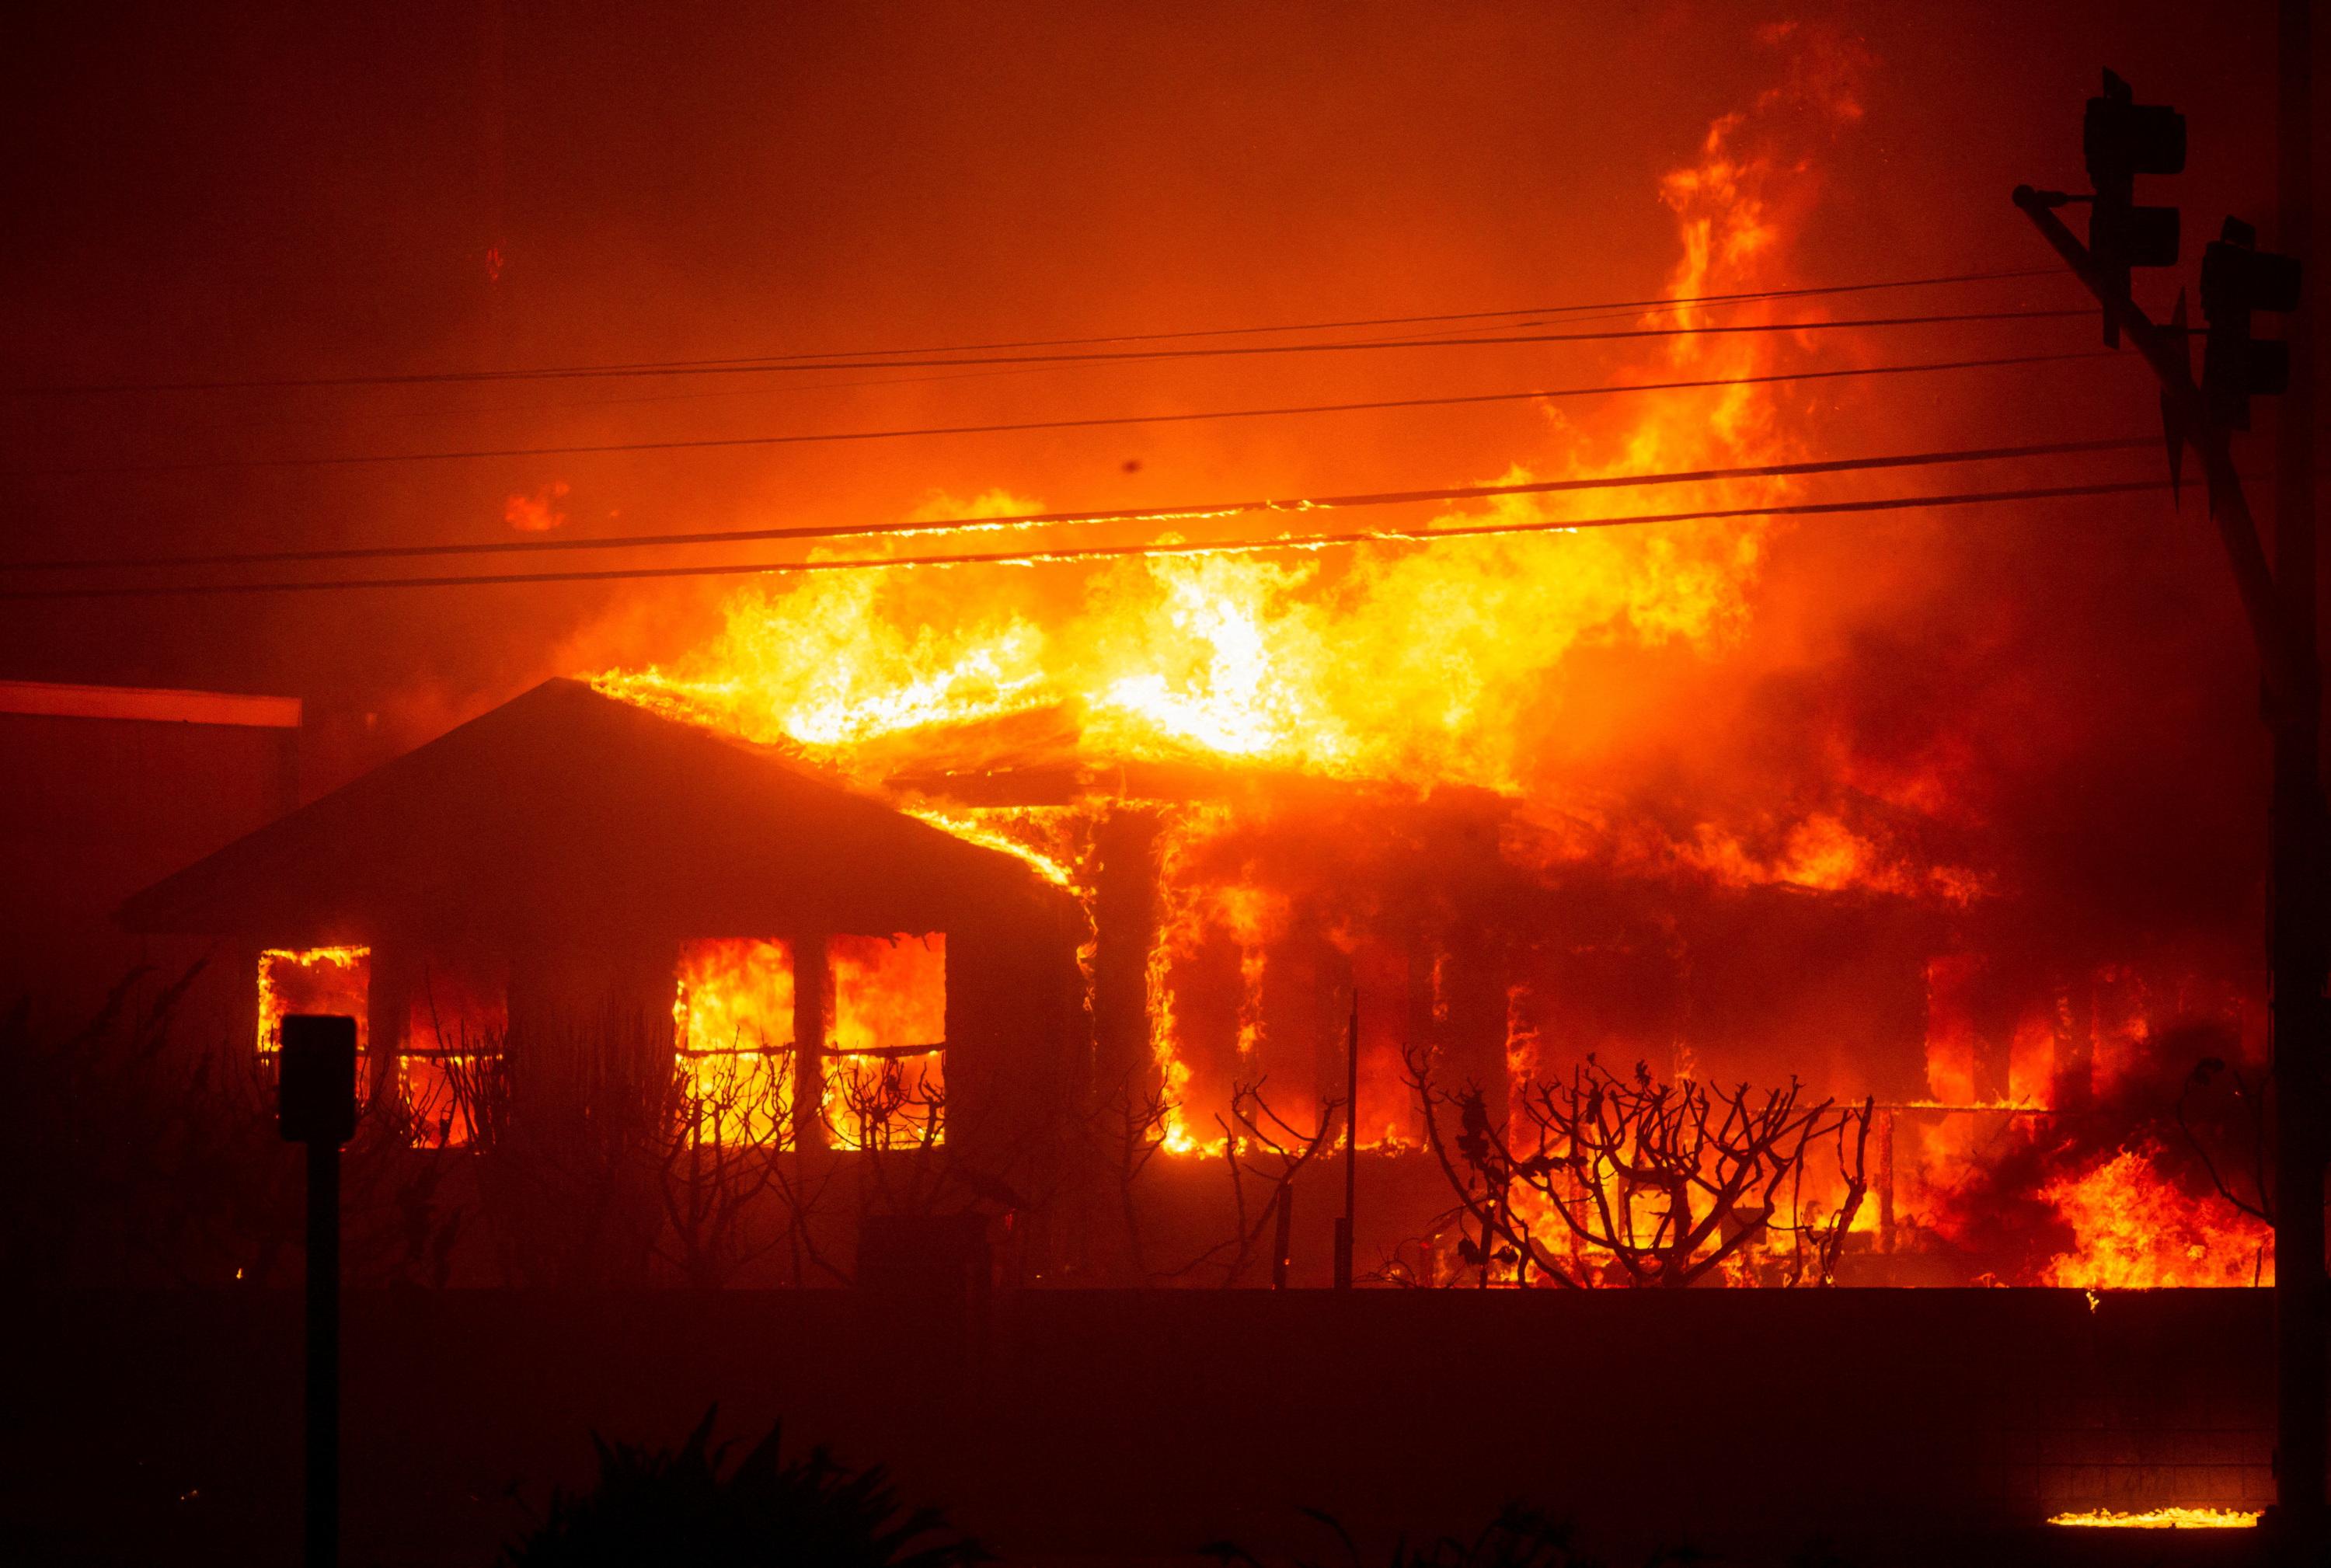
(2186, 422)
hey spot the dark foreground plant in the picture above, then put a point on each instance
(678, 1507)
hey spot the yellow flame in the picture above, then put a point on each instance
(2163, 1518)
(309, 979)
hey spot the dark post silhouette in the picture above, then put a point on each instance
(315, 1083)
(2297, 920)
(1351, 1147)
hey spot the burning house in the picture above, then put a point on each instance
(1027, 956)
(568, 882)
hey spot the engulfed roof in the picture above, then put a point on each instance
(565, 812)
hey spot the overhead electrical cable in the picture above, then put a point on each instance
(1665, 302)
(470, 410)
(1074, 554)
(718, 444)
(1145, 356)
(1205, 509)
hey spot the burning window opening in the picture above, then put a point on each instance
(312, 980)
(882, 1071)
(450, 1038)
(456, 1026)
(885, 1083)
(733, 1018)
(328, 980)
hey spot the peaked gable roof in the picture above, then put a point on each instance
(564, 810)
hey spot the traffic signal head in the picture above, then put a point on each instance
(2238, 279)
(2122, 139)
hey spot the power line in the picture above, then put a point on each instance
(470, 410)
(1662, 303)
(1115, 552)
(714, 444)
(762, 367)
(1034, 519)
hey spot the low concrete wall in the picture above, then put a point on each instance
(1129, 1424)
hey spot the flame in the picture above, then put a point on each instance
(733, 1025)
(452, 1025)
(1398, 668)
(312, 980)
(1402, 663)
(2138, 1231)
(1033, 835)
(2170, 1517)
(886, 1073)
(1821, 850)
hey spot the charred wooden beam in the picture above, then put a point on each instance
(812, 1006)
(1474, 964)
(392, 972)
(1124, 927)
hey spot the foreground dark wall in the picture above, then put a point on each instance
(1073, 1423)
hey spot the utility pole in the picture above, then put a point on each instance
(2296, 914)
(2279, 603)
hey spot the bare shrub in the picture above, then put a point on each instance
(1600, 1178)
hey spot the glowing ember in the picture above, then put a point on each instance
(2161, 1519)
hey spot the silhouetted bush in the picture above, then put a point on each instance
(678, 1507)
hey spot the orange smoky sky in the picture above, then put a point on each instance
(410, 189)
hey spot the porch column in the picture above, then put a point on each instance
(813, 1002)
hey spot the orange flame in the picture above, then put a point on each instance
(2138, 1231)
(1411, 667)
(733, 1022)
(2172, 1518)
(312, 980)
(886, 1073)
